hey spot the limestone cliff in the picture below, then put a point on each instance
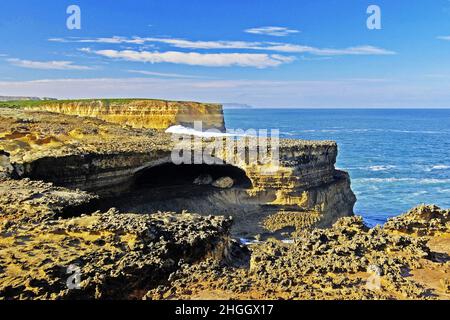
(138, 113)
(108, 159)
(306, 179)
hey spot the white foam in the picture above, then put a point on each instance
(380, 168)
(429, 168)
(412, 180)
(440, 167)
(182, 130)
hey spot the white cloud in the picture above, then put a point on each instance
(47, 65)
(359, 50)
(245, 45)
(444, 38)
(272, 31)
(165, 75)
(197, 59)
(177, 43)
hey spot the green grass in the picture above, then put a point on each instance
(36, 103)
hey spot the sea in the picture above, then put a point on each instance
(397, 158)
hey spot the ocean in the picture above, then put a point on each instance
(397, 159)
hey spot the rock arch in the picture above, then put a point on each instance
(170, 174)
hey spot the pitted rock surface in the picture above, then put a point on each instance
(118, 255)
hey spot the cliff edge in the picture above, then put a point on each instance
(137, 113)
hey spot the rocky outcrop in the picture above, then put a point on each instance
(347, 261)
(425, 220)
(223, 183)
(76, 152)
(105, 255)
(145, 113)
(33, 202)
(306, 181)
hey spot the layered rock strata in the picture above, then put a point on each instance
(137, 113)
(94, 155)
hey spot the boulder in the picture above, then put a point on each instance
(223, 183)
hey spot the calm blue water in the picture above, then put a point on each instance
(397, 159)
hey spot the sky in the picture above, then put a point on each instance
(272, 53)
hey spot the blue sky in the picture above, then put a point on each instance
(283, 53)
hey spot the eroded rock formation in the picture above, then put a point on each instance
(138, 113)
(347, 261)
(25, 201)
(106, 158)
(47, 225)
(117, 255)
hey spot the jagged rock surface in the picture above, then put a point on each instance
(347, 261)
(118, 255)
(26, 201)
(223, 183)
(424, 220)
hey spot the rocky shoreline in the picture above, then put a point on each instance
(347, 261)
(61, 174)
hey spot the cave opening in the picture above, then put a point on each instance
(171, 175)
(177, 188)
(173, 188)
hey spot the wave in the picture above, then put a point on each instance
(429, 168)
(411, 131)
(380, 168)
(340, 130)
(412, 168)
(333, 130)
(374, 168)
(440, 167)
(182, 130)
(393, 180)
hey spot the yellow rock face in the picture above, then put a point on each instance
(149, 114)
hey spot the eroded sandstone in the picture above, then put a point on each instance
(347, 261)
(33, 202)
(118, 255)
(138, 113)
